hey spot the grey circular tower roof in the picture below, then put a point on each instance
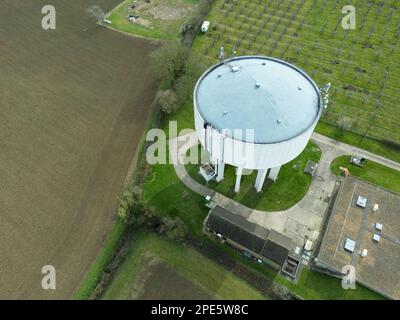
(276, 99)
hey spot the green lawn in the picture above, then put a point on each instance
(373, 172)
(290, 187)
(364, 91)
(161, 19)
(207, 275)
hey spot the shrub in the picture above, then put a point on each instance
(167, 101)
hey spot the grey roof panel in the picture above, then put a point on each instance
(277, 247)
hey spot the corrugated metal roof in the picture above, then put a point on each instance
(236, 229)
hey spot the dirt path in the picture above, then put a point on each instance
(73, 104)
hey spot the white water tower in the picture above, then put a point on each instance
(255, 112)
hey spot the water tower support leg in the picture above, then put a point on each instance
(238, 178)
(261, 174)
(273, 173)
(221, 169)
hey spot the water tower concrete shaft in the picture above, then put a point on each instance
(255, 112)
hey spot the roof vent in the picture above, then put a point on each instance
(225, 113)
(278, 121)
(264, 63)
(258, 85)
(235, 68)
(219, 75)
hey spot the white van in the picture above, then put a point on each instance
(205, 26)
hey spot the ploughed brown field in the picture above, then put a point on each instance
(73, 103)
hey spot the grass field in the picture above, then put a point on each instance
(159, 19)
(363, 65)
(373, 172)
(160, 269)
(73, 105)
(290, 187)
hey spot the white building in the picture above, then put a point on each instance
(255, 112)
